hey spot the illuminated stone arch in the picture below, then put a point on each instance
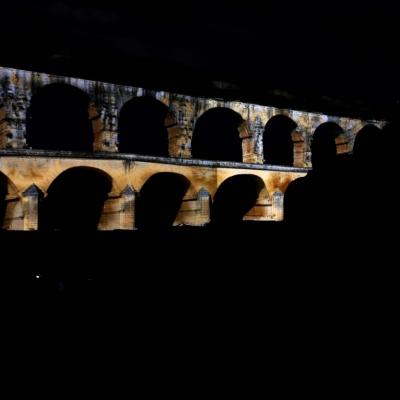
(283, 144)
(160, 200)
(262, 209)
(148, 127)
(217, 135)
(324, 144)
(75, 200)
(237, 197)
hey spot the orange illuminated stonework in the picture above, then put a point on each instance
(27, 173)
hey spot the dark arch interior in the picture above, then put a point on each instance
(58, 119)
(277, 141)
(159, 200)
(141, 127)
(74, 201)
(323, 145)
(3, 194)
(216, 136)
(234, 198)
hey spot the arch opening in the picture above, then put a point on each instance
(141, 127)
(160, 199)
(58, 119)
(235, 197)
(279, 141)
(75, 200)
(216, 136)
(324, 149)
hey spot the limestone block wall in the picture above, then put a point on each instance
(17, 88)
(30, 173)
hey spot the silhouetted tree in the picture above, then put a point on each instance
(366, 171)
(316, 198)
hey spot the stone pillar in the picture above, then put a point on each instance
(174, 135)
(307, 148)
(257, 129)
(14, 213)
(261, 211)
(30, 201)
(13, 106)
(119, 211)
(127, 211)
(203, 201)
(250, 148)
(181, 137)
(342, 143)
(298, 149)
(104, 117)
(277, 205)
(302, 137)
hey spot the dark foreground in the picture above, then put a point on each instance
(193, 311)
(252, 265)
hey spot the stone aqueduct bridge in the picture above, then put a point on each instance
(28, 173)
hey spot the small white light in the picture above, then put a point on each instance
(37, 276)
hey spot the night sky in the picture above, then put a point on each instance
(334, 57)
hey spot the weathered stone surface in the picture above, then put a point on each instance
(25, 168)
(17, 87)
(30, 202)
(31, 172)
